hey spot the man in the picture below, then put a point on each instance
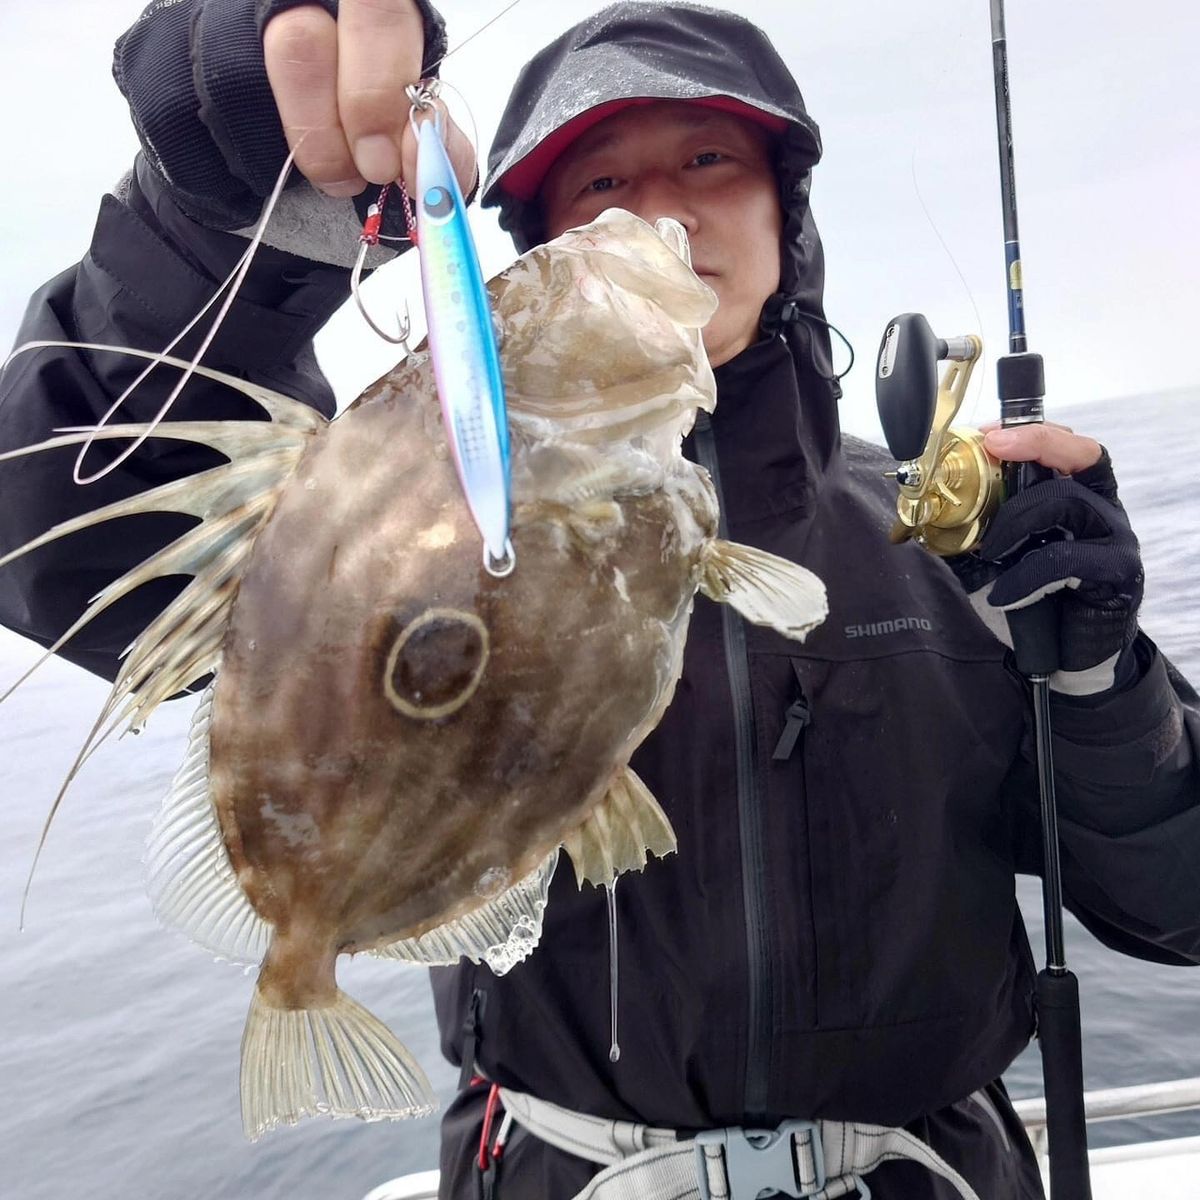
(837, 937)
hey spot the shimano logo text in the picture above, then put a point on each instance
(878, 628)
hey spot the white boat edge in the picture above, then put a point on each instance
(421, 1186)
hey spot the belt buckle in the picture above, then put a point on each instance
(760, 1160)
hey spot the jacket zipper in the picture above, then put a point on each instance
(472, 1028)
(796, 719)
(760, 974)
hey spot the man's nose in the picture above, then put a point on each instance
(657, 195)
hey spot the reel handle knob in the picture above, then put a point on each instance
(906, 384)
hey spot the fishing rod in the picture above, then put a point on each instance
(949, 488)
(1021, 380)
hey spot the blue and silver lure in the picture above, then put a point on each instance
(462, 343)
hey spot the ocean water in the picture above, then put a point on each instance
(119, 1039)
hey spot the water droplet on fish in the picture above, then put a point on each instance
(251, 645)
(310, 485)
(614, 1050)
(492, 882)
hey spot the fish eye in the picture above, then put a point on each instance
(435, 663)
(437, 202)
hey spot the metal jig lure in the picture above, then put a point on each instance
(462, 338)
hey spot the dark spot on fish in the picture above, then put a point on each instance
(436, 663)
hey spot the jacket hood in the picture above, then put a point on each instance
(662, 51)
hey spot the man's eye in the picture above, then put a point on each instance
(604, 184)
(708, 157)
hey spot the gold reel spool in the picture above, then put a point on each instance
(950, 492)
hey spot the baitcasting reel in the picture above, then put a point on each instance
(949, 485)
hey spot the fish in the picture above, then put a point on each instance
(396, 744)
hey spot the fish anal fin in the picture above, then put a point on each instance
(764, 588)
(335, 1060)
(501, 933)
(191, 881)
(618, 833)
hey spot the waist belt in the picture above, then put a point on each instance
(820, 1160)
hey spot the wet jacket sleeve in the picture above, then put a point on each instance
(148, 270)
(1127, 767)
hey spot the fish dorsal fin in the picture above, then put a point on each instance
(190, 879)
(501, 933)
(234, 501)
(619, 832)
(764, 588)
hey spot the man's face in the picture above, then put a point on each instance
(709, 170)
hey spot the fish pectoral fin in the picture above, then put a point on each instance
(764, 588)
(501, 933)
(336, 1060)
(619, 831)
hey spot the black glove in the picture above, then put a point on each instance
(194, 75)
(1070, 536)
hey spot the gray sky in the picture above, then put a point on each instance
(1107, 127)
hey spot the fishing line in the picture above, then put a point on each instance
(234, 282)
(978, 388)
(507, 9)
(474, 139)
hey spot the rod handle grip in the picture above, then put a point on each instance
(1034, 629)
(1062, 1071)
(1034, 632)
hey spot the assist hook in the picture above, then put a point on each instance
(424, 97)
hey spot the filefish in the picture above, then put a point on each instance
(396, 744)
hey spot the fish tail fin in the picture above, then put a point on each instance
(337, 1061)
(764, 588)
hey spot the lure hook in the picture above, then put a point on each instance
(370, 237)
(404, 324)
